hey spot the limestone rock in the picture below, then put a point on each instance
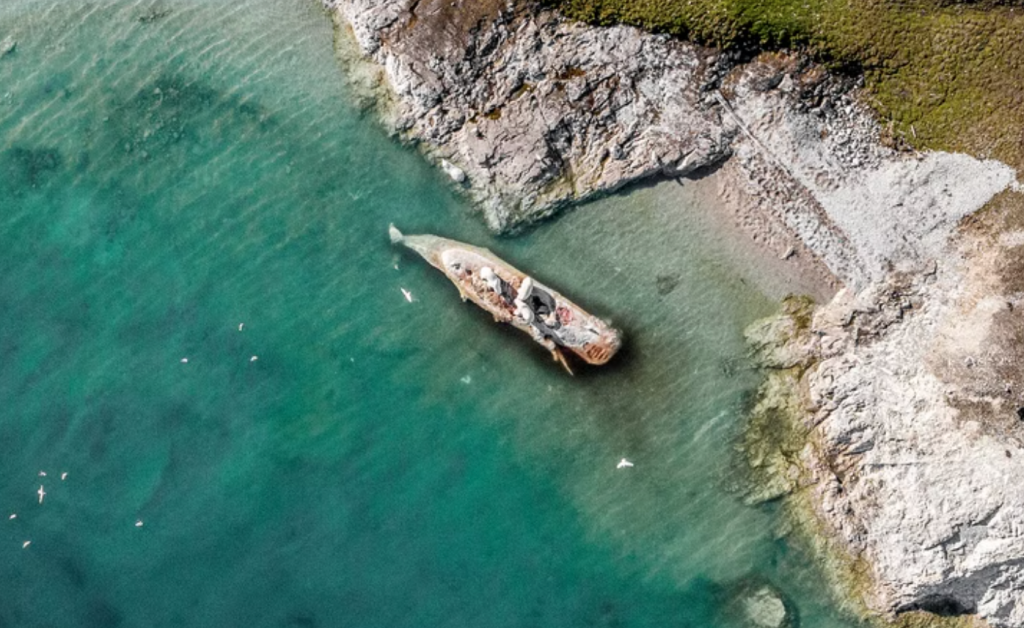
(902, 476)
(456, 174)
(537, 111)
(764, 608)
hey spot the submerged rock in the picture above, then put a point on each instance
(7, 46)
(764, 608)
(755, 603)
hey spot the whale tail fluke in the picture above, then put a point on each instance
(396, 235)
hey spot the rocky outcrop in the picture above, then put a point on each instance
(530, 111)
(920, 487)
(526, 112)
(861, 207)
(875, 412)
(764, 608)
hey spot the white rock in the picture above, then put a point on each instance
(456, 174)
(764, 609)
(932, 501)
(532, 102)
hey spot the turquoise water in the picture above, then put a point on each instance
(190, 181)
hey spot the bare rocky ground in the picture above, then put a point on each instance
(898, 410)
(909, 440)
(528, 112)
(896, 406)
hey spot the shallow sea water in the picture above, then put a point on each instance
(171, 171)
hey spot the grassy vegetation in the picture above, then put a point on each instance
(940, 74)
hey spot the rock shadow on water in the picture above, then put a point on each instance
(154, 15)
(622, 191)
(26, 168)
(101, 614)
(938, 604)
(754, 602)
(167, 115)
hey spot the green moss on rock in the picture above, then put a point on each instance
(940, 74)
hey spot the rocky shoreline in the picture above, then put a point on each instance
(899, 398)
(528, 112)
(907, 466)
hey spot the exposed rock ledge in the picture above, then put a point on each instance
(906, 434)
(526, 112)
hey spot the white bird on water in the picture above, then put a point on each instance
(624, 464)
(64, 476)
(41, 493)
(26, 544)
(407, 295)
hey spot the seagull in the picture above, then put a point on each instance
(138, 524)
(64, 476)
(407, 294)
(42, 474)
(41, 493)
(26, 544)
(623, 464)
(253, 358)
(184, 360)
(240, 326)
(14, 515)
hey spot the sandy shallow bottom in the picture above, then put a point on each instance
(771, 258)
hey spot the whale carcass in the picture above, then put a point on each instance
(512, 297)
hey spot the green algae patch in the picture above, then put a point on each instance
(940, 75)
(774, 437)
(779, 444)
(921, 619)
(24, 168)
(776, 434)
